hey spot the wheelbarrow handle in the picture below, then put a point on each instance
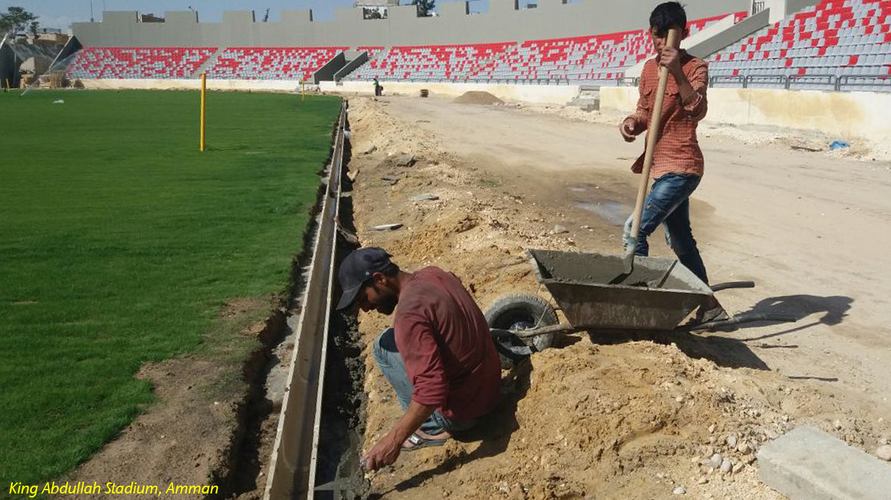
(733, 284)
(546, 330)
(744, 318)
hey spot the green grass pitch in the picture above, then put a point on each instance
(120, 243)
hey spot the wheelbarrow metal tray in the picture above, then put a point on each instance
(649, 299)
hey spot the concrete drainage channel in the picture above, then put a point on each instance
(319, 423)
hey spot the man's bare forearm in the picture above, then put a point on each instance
(386, 451)
(411, 421)
(685, 90)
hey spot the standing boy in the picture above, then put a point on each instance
(678, 163)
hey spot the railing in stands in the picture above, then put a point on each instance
(788, 82)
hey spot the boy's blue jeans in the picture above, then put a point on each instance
(387, 357)
(669, 204)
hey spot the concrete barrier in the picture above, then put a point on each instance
(291, 474)
(538, 94)
(807, 464)
(194, 84)
(839, 114)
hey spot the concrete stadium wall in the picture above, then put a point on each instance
(8, 66)
(731, 35)
(838, 114)
(453, 25)
(539, 94)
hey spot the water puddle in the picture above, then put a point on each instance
(612, 212)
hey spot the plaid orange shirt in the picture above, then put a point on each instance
(677, 150)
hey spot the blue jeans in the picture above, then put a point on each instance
(669, 204)
(387, 357)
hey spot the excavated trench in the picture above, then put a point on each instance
(343, 400)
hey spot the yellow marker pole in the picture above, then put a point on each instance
(8, 86)
(203, 103)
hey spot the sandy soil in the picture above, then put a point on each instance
(632, 417)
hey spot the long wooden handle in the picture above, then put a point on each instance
(652, 138)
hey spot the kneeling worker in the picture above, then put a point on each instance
(439, 356)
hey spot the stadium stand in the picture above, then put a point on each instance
(271, 63)
(433, 62)
(372, 51)
(137, 63)
(833, 45)
(579, 59)
(583, 59)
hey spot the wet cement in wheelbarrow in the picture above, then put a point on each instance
(597, 269)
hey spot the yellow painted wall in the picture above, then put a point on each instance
(838, 114)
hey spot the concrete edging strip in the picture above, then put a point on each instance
(291, 472)
(808, 464)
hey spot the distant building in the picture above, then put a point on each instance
(50, 37)
(151, 18)
(376, 9)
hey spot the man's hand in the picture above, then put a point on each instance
(384, 453)
(387, 450)
(670, 58)
(627, 129)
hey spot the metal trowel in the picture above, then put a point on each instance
(354, 482)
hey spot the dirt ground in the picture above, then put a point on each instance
(622, 416)
(201, 416)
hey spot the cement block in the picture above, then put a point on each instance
(807, 464)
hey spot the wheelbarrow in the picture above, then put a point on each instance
(658, 296)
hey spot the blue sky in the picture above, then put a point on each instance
(61, 13)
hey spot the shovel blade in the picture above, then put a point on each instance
(628, 265)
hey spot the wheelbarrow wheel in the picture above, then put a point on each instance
(520, 312)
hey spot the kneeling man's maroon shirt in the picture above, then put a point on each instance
(445, 343)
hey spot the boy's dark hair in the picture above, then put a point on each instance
(390, 271)
(666, 15)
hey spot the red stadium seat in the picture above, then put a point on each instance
(271, 63)
(578, 59)
(138, 63)
(833, 39)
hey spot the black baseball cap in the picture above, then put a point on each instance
(356, 269)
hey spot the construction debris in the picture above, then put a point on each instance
(387, 227)
(405, 160)
(425, 197)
